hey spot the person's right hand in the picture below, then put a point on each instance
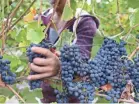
(45, 68)
(2, 84)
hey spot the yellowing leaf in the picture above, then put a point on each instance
(33, 10)
(29, 17)
(106, 87)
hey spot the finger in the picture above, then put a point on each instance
(58, 53)
(41, 61)
(39, 76)
(43, 51)
(40, 69)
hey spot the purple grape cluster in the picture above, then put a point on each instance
(31, 55)
(73, 64)
(6, 75)
(108, 67)
(44, 44)
(133, 71)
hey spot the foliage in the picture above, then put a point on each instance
(118, 19)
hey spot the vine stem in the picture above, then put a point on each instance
(50, 22)
(133, 53)
(10, 88)
(8, 28)
(130, 30)
(11, 16)
(3, 40)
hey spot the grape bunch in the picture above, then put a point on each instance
(34, 83)
(73, 65)
(84, 91)
(6, 75)
(31, 55)
(61, 97)
(44, 44)
(108, 67)
(133, 71)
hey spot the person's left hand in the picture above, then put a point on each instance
(45, 68)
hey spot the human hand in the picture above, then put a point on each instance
(44, 67)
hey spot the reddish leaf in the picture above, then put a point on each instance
(106, 87)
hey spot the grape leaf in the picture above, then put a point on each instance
(14, 60)
(2, 99)
(35, 33)
(133, 3)
(98, 40)
(20, 68)
(30, 96)
(13, 100)
(65, 38)
(67, 13)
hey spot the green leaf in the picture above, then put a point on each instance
(20, 68)
(136, 18)
(65, 38)
(14, 60)
(133, 3)
(2, 99)
(73, 5)
(35, 36)
(98, 40)
(5, 91)
(67, 13)
(30, 96)
(35, 32)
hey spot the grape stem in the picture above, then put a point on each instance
(50, 22)
(133, 53)
(130, 30)
(101, 95)
(10, 88)
(3, 41)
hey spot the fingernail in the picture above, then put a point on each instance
(32, 48)
(28, 78)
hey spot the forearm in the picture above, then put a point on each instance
(85, 33)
